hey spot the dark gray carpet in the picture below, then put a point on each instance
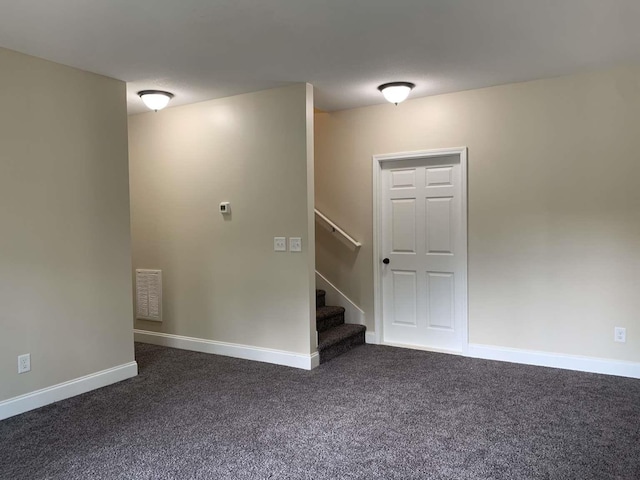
(339, 339)
(334, 336)
(372, 413)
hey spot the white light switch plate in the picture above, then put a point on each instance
(280, 244)
(295, 244)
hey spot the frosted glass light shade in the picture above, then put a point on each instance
(155, 99)
(396, 92)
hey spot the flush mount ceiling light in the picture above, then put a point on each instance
(396, 92)
(155, 99)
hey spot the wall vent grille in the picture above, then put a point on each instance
(149, 295)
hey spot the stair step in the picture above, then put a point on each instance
(338, 340)
(329, 317)
(320, 298)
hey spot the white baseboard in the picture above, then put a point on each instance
(555, 360)
(279, 357)
(315, 361)
(61, 391)
(352, 313)
(370, 337)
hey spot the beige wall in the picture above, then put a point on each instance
(222, 279)
(554, 205)
(65, 285)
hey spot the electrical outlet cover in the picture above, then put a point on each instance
(24, 363)
(620, 334)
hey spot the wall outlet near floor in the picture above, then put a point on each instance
(280, 244)
(24, 363)
(620, 334)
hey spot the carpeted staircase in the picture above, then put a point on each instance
(334, 336)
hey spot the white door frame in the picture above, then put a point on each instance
(378, 162)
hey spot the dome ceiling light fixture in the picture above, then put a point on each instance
(155, 99)
(396, 92)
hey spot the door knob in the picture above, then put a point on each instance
(385, 261)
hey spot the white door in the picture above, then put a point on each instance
(423, 250)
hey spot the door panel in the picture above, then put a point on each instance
(403, 178)
(439, 176)
(421, 231)
(440, 300)
(403, 225)
(439, 225)
(404, 296)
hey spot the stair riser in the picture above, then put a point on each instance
(325, 324)
(342, 347)
(320, 300)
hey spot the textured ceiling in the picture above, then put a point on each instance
(203, 49)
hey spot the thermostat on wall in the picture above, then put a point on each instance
(225, 208)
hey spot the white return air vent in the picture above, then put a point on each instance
(149, 295)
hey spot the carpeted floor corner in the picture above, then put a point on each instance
(372, 413)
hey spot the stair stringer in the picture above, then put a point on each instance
(352, 313)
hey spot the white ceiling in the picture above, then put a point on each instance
(203, 49)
